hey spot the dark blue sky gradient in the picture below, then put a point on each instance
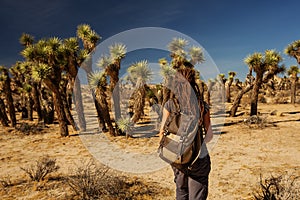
(229, 30)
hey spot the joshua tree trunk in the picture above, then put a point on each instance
(209, 89)
(9, 98)
(293, 89)
(59, 107)
(78, 104)
(75, 89)
(114, 87)
(3, 117)
(58, 103)
(201, 88)
(36, 99)
(100, 117)
(139, 103)
(67, 109)
(105, 111)
(68, 112)
(30, 104)
(3, 110)
(100, 102)
(47, 106)
(229, 83)
(238, 98)
(222, 90)
(255, 92)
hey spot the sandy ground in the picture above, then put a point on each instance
(240, 153)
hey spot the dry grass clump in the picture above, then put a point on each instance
(44, 166)
(28, 128)
(95, 182)
(283, 187)
(255, 121)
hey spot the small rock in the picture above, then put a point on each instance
(279, 114)
(274, 112)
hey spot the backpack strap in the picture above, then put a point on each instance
(201, 131)
(176, 104)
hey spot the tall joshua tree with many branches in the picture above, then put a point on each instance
(45, 57)
(260, 65)
(98, 83)
(89, 39)
(265, 66)
(111, 64)
(117, 53)
(139, 73)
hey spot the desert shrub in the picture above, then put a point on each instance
(125, 125)
(262, 99)
(283, 187)
(30, 128)
(280, 100)
(90, 181)
(43, 166)
(86, 181)
(255, 121)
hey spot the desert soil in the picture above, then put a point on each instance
(240, 154)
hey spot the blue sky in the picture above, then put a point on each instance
(229, 30)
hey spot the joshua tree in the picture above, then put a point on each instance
(117, 53)
(229, 82)
(293, 50)
(112, 65)
(221, 80)
(88, 36)
(4, 77)
(293, 73)
(22, 69)
(73, 57)
(45, 57)
(210, 85)
(89, 39)
(166, 71)
(21, 77)
(265, 67)
(26, 39)
(98, 83)
(3, 116)
(180, 53)
(261, 64)
(177, 48)
(196, 54)
(140, 74)
(125, 125)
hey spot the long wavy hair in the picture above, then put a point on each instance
(184, 89)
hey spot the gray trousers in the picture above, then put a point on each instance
(193, 184)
